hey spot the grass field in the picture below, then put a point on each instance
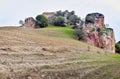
(52, 53)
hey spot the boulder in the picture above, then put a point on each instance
(30, 22)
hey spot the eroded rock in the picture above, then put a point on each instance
(30, 22)
(97, 34)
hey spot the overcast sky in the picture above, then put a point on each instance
(11, 11)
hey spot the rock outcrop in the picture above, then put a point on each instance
(97, 34)
(30, 22)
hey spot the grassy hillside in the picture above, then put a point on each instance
(52, 53)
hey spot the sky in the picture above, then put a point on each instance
(11, 11)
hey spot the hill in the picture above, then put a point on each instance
(52, 53)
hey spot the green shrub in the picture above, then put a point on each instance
(79, 34)
(109, 29)
(64, 18)
(117, 48)
(59, 21)
(42, 20)
(21, 22)
(104, 30)
(73, 19)
(89, 19)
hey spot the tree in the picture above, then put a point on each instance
(59, 13)
(64, 18)
(21, 22)
(42, 21)
(73, 20)
(117, 48)
(72, 12)
(79, 34)
(52, 19)
(59, 21)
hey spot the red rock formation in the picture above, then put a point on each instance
(99, 22)
(97, 34)
(30, 22)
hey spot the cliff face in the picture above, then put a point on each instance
(97, 34)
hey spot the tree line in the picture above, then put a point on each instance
(60, 18)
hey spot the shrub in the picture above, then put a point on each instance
(52, 19)
(21, 22)
(89, 19)
(79, 34)
(109, 29)
(42, 20)
(59, 13)
(73, 19)
(64, 18)
(59, 21)
(117, 48)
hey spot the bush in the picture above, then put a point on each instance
(21, 22)
(73, 20)
(117, 48)
(64, 18)
(79, 34)
(59, 21)
(52, 20)
(42, 20)
(89, 19)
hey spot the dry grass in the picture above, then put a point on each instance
(49, 53)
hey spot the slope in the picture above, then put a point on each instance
(50, 53)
